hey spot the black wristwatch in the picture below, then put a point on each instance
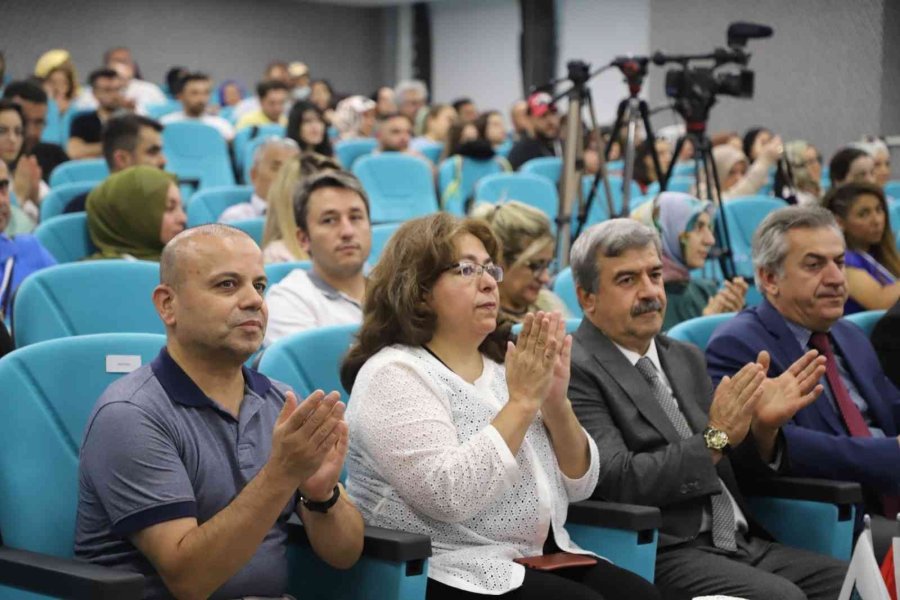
(321, 507)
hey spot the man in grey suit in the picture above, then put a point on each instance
(667, 439)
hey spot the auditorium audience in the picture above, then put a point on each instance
(322, 96)
(354, 118)
(33, 101)
(20, 254)
(851, 165)
(134, 213)
(86, 129)
(272, 96)
(275, 71)
(268, 159)
(737, 176)
(545, 128)
(394, 132)
(167, 486)
(25, 173)
(306, 125)
(438, 121)
(685, 226)
(465, 109)
(128, 140)
(850, 433)
(385, 101)
(872, 262)
(667, 438)
(194, 92)
(446, 440)
(140, 94)
(644, 169)
(56, 70)
(332, 214)
(806, 168)
(280, 242)
(881, 157)
(299, 80)
(528, 247)
(230, 93)
(490, 127)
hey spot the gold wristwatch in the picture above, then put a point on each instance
(716, 439)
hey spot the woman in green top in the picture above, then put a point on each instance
(685, 227)
(134, 213)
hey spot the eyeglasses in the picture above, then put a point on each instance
(539, 266)
(470, 270)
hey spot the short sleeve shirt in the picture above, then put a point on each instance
(157, 449)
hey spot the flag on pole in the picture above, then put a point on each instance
(864, 574)
(888, 570)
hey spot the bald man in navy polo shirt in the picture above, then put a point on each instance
(191, 466)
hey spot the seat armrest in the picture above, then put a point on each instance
(802, 488)
(66, 577)
(385, 544)
(614, 515)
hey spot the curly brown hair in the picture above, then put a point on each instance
(395, 311)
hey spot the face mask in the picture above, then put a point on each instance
(300, 93)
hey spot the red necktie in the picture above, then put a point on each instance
(853, 418)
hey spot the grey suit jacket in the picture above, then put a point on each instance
(643, 460)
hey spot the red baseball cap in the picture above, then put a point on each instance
(539, 103)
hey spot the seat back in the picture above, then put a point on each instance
(743, 216)
(891, 189)
(564, 287)
(197, 151)
(599, 210)
(380, 236)
(697, 331)
(310, 360)
(104, 296)
(49, 390)
(66, 237)
(432, 151)
(548, 166)
(865, 320)
(73, 171)
(275, 272)
(55, 202)
(400, 187)
(457, 177)
(252, 227)
(533, 190)
(206, 206)
(244, 135)
(349, 151)
(161, 109)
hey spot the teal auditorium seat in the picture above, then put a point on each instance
(197, 152)
(530, 189)
(432, 151)
(564, 287)
(252, 227)
(457, 177)
(894, 219)
(549, 167)
(159, 110)
(892, 190)
(812, 514)
(55, 202)
(206, 206)
(104, 296)
(275, 272)
(571, 326)
(865, 320)
(49, 391)
(626, 534)
(599, 211)
(743, 216)
(66, 237)
(349, 151)
(246, 161)
(244, 135)
(400, 187)
(73, 171)
(380, 236)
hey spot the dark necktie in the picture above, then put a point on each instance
(850, 413)
(723, 523)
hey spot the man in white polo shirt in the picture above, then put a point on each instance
(332, 213)
(194, 94)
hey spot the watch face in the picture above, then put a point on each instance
(716, 439)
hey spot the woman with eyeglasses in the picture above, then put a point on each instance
(460, 435)
(527, 259)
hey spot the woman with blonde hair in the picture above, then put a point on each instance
(527, 258)
(56, 69)
(280, 242)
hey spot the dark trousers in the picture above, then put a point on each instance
(759, 570)
(603, 581)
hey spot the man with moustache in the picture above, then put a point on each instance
(666, 438)
(851, 432)
(332, 213)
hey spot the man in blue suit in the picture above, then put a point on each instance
(851, 431)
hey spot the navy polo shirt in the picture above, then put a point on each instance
(156, 448)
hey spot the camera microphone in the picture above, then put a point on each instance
(740, 32)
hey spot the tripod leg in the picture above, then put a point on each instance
(645, 117)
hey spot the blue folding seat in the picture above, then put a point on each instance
(55, 202)
(275, 272)
(380, 236)
(66, 237)
(244, 136)
(533, 190)
(742, 216)
(349, 151)
(549, 167)
(457, 177)
(564, 287)
(432, 151)
(399, 186)
(866, 320)
(73, 171)
(252, 227)
(197, 153)
(206, 206)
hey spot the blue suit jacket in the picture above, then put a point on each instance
(818, 442)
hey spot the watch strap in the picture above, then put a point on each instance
(321, 507)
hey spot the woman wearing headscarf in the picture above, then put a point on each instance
(134, 213)
(685, 227)
(737, 176)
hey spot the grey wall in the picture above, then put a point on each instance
(226, 38)
(819, 77)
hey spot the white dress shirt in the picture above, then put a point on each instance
(425, 458)
(254, 209)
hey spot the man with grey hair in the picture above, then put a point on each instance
(191, 465)
(851, 432)
(267, 161)
(412, 100)
(332, 214)
(668, 439)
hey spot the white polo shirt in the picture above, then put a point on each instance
(302, 300)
